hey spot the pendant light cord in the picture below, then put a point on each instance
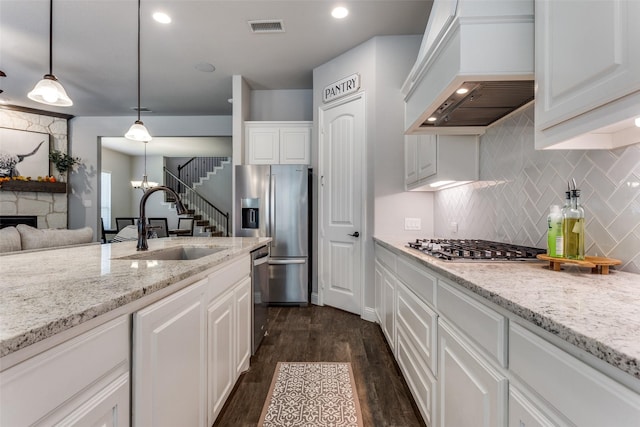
(51, 37)
(138, 61)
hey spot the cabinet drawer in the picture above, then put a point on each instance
(39, 385)
(386, 257)
(223, 279)
(481, 324)
(421, 383)
(417, 279)
(580, 393)
(419, 323)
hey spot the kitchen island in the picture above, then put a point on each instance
(73, 320)
(552, 347)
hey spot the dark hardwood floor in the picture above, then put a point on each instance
(325, 334)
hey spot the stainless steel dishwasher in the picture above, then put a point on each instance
(260, 288)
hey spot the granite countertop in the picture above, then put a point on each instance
(43, 293)
(597, 313)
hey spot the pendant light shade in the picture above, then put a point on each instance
(49, 90)
(137, 131)
(145, 184)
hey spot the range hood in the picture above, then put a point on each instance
(475, 66)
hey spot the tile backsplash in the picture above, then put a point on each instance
(517, 185)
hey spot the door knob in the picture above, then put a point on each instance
(356, 234)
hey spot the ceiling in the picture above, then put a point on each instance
(94, 49)
(201, 146)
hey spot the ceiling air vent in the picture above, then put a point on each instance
(267, 26)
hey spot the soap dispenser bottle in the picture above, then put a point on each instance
(573, 227)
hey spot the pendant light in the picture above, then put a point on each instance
(49, 90)
(137, 131)
(145, 184)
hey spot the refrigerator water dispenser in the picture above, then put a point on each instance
(250, 213)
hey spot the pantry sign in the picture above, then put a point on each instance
(341, 88)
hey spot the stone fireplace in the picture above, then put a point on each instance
(50, 208)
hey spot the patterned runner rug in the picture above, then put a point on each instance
(312, 395)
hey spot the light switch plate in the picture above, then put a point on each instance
(412, 224)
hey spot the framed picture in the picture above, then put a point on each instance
(24, 153)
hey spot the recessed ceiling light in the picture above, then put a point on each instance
(462, 91)
(162, 17)
(340, 12)
(638, 122)
(205, 67)
(431, 119)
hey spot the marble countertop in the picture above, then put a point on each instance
(46, 292)
(597, 313)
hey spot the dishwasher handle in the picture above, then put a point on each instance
(261, 260)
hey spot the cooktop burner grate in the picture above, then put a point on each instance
(475, 250)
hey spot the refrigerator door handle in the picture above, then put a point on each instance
(272, 202)
(287, 261)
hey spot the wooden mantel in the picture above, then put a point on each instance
(34, 186)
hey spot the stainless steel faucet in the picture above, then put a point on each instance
(142, 219)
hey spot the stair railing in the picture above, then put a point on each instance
(198, 202)
(198, 167)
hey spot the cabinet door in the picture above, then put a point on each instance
(378, 290)
(388, 304)
(426, 158)
(586, 57)
(410, 159)
(524, 413)
(169, 360)
(222, 366)
(264, 145)
(243, 325)
(472, 392)
(295, 145)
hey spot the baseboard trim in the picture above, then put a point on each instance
(314, 298)
(369, 314)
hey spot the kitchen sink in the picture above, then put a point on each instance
(179, 253)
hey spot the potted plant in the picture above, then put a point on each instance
(63, 162)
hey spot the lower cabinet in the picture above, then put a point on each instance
(472, 392)
(190, 348)
(229, 342)
(81, 382)
(169, 364)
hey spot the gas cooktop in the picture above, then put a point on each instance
(475, 250)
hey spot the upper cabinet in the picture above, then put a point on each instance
(278, 143)
(436, 162)
(587, 74)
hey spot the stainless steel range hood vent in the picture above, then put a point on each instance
(481, 103)
(482, 46)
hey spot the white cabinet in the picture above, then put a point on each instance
(278, 143)
(416, 343)
(170, 371)
(84, 381)
(229, 342)
(389, 284)
(190, 348)
(434, 162)
(582, 395)
(471, 391)
(587, 74)
(221, 360)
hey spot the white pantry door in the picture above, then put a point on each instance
(342, 134)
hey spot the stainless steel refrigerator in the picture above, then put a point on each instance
(273, 201)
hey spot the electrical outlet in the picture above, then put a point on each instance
(412, 224)
(453, 227)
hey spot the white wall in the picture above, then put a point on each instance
(119, 164)
(293, 104)
(383, 64)
(84, 134)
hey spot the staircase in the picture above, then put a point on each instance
(209, 220)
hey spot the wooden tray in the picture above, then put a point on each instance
(597, 264)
